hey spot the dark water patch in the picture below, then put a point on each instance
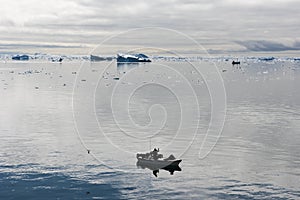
(129, 188)
(224, 195)
(108, 174)
(251, 191)
(231, 180)
(18, 166)
(53, 186)
(91, 166)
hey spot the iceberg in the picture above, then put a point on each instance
(266, 58)
(125, 58)
(20, 57)
(94, 58)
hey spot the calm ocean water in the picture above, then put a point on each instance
(52, 114)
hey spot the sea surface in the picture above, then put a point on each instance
(71, 130)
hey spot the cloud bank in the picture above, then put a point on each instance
(263, 45)
(216, 24)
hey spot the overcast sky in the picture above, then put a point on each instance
(221, 26)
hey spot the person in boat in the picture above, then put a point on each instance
(154, 154)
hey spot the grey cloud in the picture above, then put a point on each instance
(263, 45)
(297, 44)
(219, 20)
(7, 23)
(13, 46)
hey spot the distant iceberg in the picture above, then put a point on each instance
(20, 57)
(125, 58)
(136, 58)
(94, 58)
(266, 58)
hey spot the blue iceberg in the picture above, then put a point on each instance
(94, 58)
(125, 58)
(20, 57)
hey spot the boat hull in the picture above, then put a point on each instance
(158, 164)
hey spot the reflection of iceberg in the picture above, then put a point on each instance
(125, 67)
(125, 58)
(128, 65)
(22, 57)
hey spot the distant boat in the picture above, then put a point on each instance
(20, 57)
(125, 58)
(236, 62)
(57, 59)
(99, 58)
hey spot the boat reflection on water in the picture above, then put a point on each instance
(169, 168)
(154, 162)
